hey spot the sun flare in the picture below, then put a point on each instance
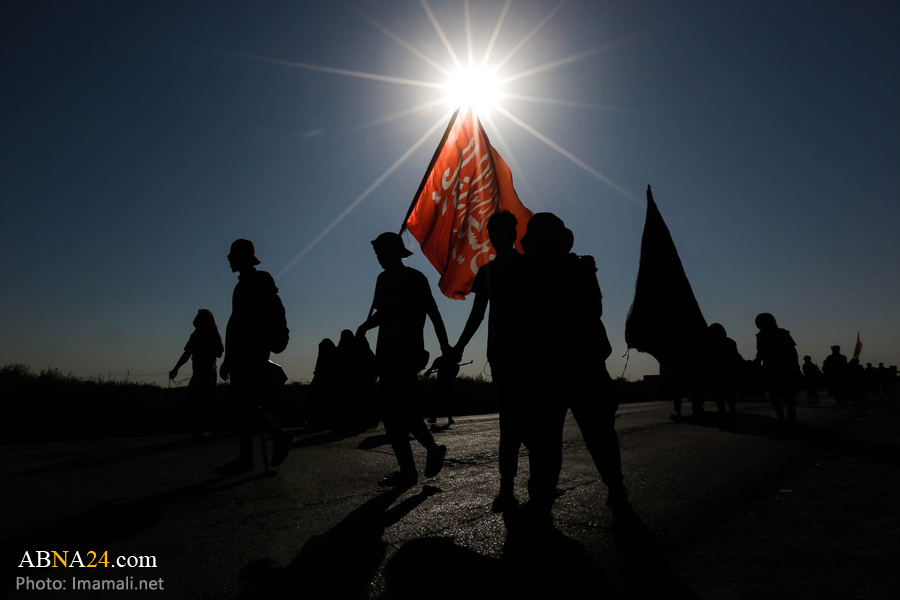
(475, 87)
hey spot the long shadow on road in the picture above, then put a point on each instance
(340, 563)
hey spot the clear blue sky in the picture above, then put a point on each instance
(136, 144)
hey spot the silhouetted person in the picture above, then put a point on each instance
(725, 364)
(856, 384)
(446, 368)
(811, 378)
(203, 348)
(496, 284)
(671, 391)
(885, 380)
(776, 353)
(568, 348)
(835, 370)
(402, 301)
(325, 386)
(256, 327)
(357, 375)
(871, 379)
(890, 381)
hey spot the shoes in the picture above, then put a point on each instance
(399, 480)
(505, 500)
(235, 467)
(280, 446)
(435, 461)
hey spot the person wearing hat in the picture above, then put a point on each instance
(256, 311)
(567, 348)
(402, 301)
(834, 368)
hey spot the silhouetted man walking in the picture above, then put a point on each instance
(257, 326)
(497, 283)
(569, 347)
(402, 301)
(835, 370)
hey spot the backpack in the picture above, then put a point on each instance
(277, 333)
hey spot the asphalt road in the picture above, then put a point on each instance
(321, 527)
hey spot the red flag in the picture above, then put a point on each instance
(858, 348)
(467, 182)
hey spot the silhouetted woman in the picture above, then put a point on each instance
(776, 352)
(725, 364)
(203, 348)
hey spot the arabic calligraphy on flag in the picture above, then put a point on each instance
(468, 182)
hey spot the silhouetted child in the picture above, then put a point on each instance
(402, 301)
(203, 348)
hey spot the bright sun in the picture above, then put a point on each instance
(474, 87)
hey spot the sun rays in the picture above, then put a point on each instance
(475, 83)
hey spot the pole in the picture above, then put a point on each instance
(429, 169)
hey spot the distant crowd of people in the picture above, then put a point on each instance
(544, 309)
(776, 372)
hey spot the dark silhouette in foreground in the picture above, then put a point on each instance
(402, 301)
(257, 327)
(566, 335)
(202, 349)
(497, 284)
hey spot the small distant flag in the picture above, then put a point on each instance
(466, 182)
(858, 348)
(665, 320)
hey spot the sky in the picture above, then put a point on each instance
(138, 140)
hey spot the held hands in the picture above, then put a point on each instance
(454, 353)
(223, 371)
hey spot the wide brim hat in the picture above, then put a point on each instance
(390, 243)
(547, 229)
(243, 249)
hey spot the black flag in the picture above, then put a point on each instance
(665, 320)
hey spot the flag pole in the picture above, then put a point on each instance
(428, 170)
